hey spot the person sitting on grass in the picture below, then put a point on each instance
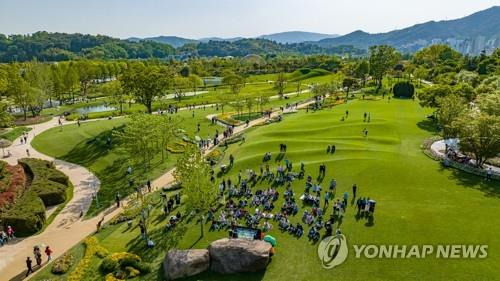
(299, 230)
(267, 226)
(313, 234)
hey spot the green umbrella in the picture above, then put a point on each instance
(270, 239)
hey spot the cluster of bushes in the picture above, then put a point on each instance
(27, 215)
(92, 248)
(403, 90)
(215, 155)
(49, 183)
(227, 118)
(177, 147)
(123, 266)
(48, 187)
(62, 264)
(235, 138)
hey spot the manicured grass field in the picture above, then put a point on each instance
(418, 202)
(86, 145)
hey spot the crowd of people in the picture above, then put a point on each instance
(247, 206)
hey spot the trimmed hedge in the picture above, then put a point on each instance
(49, 183)
(403, 90)
(27, 216)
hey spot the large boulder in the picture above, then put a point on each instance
(185, 263)
(238, 255)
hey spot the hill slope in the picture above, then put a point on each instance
(471, 34)
(296, 37)
(173, 41)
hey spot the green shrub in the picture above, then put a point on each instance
(27, 215)
(403, 90)
(62, 264)
(108, 265)
(50, 184)
(143, 267)
(51, 192)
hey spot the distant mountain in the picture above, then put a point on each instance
(296, 37)
(173, 41)
(207, 39)
(470, 35)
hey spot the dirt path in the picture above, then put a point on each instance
(68, 228)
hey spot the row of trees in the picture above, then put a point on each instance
(476, 125)
(44, 46)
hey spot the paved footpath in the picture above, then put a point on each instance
(68, 228)
(439, 148)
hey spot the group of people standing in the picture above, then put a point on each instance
(37, 253)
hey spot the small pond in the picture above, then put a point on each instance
(94, 108)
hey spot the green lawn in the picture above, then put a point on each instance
(418, 202)
(14, 133)
(86, 145)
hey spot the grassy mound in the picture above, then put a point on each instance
(306, 73)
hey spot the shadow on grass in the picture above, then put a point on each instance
(212, 276)
(164, 241)
(428, 125)
(489, 188)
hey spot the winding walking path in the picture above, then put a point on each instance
(68, 228)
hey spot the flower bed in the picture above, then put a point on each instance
(12, 184)
(92, 248)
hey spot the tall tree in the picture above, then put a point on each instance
(139, 139)
(235, 83)
(114, 90)
(195, 82)
(348, 83)
(146, 83)
(362, 71)
(451, 108)
(479, 135)
(166, 130)
(193, 173)
(382, 59)
(280, 84)
(262, 101)
(180, 87)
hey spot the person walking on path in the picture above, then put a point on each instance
(99, 224)
(10, 232)
(149, 186)
(117, 200)
(28, 152)
(29, 266)
(38, 255)
(48, 252)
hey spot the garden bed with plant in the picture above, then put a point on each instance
(31, 186)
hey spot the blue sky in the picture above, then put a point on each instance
(224, 18)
